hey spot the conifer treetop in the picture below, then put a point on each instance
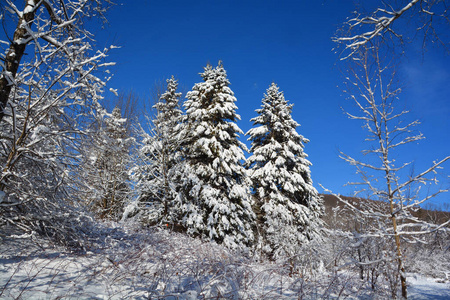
(212, 98)
(276, 133)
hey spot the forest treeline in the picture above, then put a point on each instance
(187, 171)
(68, 163)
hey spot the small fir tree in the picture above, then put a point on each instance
(214, 189)
(160, 153)
(287, 205)
(106, 166)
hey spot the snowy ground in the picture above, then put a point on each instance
(162, 265)
(421, 288)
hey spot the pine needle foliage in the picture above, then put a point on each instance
(215, 191)
(287, 205)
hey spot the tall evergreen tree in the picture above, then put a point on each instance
(160, 154)
(286, 203)
(215, 190)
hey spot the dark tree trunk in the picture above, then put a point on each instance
(14, 56)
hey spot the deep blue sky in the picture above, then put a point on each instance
(288, 42)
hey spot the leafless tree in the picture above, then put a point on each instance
(46, 98)
(372, 86)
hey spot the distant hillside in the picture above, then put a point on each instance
(332, 203)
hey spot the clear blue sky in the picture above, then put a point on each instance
(288, 42)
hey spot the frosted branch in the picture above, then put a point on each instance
(379, 24)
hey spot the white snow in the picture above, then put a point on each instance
(425, 288)
(130, 263)
(151, 264)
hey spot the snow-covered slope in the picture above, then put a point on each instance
(132, 263)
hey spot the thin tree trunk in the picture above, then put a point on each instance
(401, 269)
(166, 183)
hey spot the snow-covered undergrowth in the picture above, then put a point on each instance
(431, 260)
(133, 263)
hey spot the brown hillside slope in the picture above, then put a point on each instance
(347, 218)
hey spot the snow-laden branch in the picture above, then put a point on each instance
(53, 30)
(416, 178)
(354, 162)
(378, 26)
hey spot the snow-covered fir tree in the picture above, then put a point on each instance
(106, 165)
(156, 174)
(215, 190)
(286, 204)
